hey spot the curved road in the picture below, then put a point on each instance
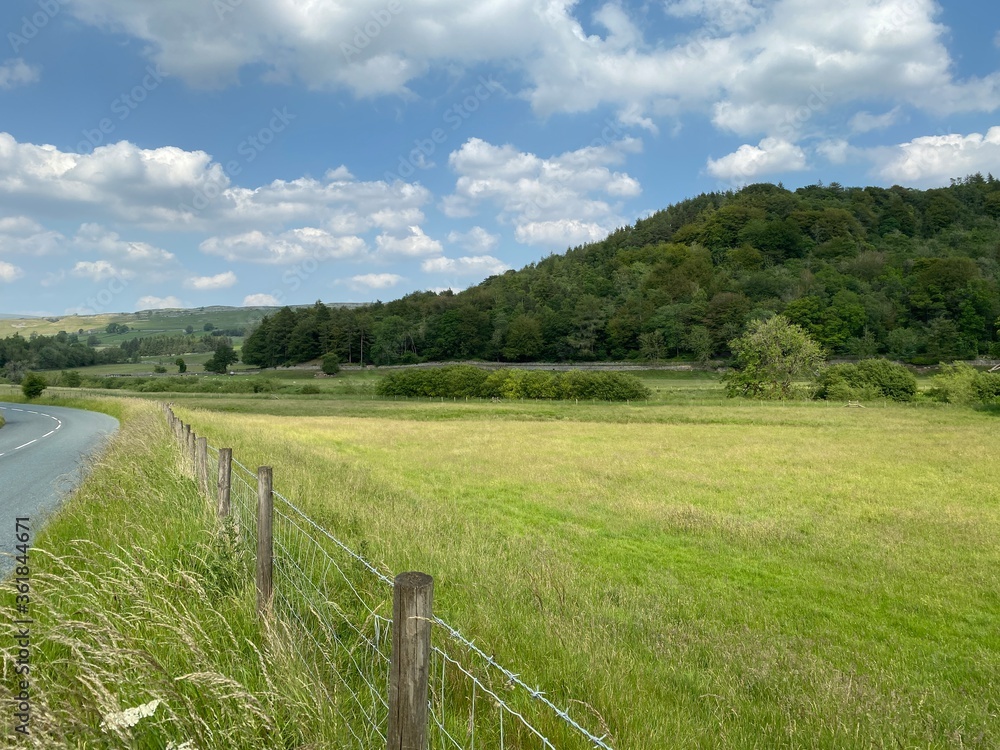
(43, 452)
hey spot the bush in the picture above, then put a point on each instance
(331, 364)
(159, 369)
(309, 390)
(869, 379)
(32, 385)
(960, 383)
(70, 379)
(462, 381)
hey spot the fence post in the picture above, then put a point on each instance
(265, 539)
(201, 464)
(225, 480)
(191, 455)
(409, 669)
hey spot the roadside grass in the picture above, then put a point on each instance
(137, 594)
(701, 574)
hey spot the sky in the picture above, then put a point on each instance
(183, 153)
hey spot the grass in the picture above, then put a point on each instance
(702, 573)
(138, 595)
(718, 576)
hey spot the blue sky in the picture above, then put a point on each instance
(180, 153)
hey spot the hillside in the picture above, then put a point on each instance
(909, 274)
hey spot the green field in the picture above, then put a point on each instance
(701, 573)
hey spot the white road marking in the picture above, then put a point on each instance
(58, 426)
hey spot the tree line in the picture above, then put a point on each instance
(907, 274)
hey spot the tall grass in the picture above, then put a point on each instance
(138, 595)
(738, 576)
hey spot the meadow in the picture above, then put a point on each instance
(700, 573)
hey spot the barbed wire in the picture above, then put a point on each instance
(306, 566)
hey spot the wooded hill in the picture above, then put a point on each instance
(909, 274)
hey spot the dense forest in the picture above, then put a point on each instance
(908, 274)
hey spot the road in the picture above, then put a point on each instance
(43, 455)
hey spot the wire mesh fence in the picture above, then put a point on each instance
(337, 607)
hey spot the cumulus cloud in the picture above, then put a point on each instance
(476, 241)
(747, 162)
(375, 281)
(99, 270)
(261, 300)
(575, 189)
(17, 72)
(209, 283)
(22, 235)
(936, 159)
(9, 272)
(169, 188)
(157, 303)
(413, 245)
(743, 52)
(477, 265)
(293, 246)
(864, 122)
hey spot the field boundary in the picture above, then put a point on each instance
(342, 614)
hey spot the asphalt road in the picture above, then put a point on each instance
(43, 457)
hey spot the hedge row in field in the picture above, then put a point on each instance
(465, 381)
(867, 380)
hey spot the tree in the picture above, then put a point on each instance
(189, 330)
(208, 327)
(70, 379)
(220, 361)
(32, 385)
(331, 364)
(181, 364)
(769, 356)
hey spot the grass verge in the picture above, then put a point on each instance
(138, 595)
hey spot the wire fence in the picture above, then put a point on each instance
(337, 607)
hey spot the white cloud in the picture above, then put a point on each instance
(476, 241)
(836, 151)
(747, 162)
(293, 246)
(99, 270)
(413, 245)
(22, 235)
(478, 265)
(169, 188)
(375, 281)
(17, 72)
(208, 283)
(261, 300)
(136, 254)
(576, 188)
(561, 233)
(9, 272)
(933, 160)
(157, 303)
(745, 52)
(864, 122)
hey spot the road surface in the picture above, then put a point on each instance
(43, 456)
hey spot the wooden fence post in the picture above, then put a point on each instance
(409, 669)
(225, 480)
(201, 464)
(265, 539)
(191, 457)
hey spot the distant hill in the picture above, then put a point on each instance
(909, 274)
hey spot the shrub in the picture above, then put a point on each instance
(70, 379)
(309, 390)
(960, 383)
(331, 364)
(869, 379)
(32, 385)
(461, 381)
(159, 369)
